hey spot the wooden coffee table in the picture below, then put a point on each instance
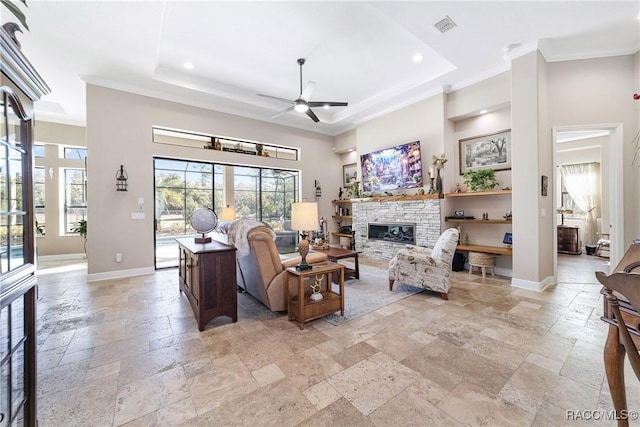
(334, 254)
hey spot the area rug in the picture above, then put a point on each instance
(369, 293)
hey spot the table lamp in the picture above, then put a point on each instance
(563, 211)
(304, 217)
(228, 213)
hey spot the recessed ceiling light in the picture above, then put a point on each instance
(188, 65)
(418, 58)
(483, 111)
(350, 149)
(326, 106)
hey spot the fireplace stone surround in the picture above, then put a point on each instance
(424, 211)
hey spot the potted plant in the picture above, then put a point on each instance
(481, 180)
(81, 229)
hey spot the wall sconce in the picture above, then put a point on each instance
(318, 189)
(121, 179)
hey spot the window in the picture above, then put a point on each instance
(212, 142)
(182, 186)
(75, 153)
(246, 186)
(38, 196)
(38, 150)
(75, 198)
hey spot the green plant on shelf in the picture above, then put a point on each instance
(481, 180)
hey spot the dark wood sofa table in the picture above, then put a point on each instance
(207, 275)
(334, 254)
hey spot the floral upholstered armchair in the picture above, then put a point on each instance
(425, 267)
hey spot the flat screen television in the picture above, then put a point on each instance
(393, 168)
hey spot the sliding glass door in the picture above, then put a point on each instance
(182, 186)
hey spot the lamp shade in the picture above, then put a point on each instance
(304, 216)
(228, 213)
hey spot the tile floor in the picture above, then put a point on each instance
(128, 352)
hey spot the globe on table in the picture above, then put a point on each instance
(203, 220)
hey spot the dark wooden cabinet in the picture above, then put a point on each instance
(207, 274)
(20, 86)
(569, 240)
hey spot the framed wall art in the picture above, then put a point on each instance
(349, 174)
(486, 152)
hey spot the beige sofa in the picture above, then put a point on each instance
(262, 272)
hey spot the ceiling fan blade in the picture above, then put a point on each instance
(330, 104)
(286, 110)
(275, 97)
(312, 115)
(306, 93)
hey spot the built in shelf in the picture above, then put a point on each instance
(486, 249)
(342, 216)
(483, 221)
(479, 193)
(333, 233)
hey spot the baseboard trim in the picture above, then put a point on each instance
(118, 274)
(60, 257)
(531, 285)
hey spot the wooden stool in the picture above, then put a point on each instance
(482, 261)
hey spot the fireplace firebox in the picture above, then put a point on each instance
(402, 232)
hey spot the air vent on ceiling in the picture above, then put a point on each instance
(445, 24)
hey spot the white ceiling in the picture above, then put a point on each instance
(359, 52)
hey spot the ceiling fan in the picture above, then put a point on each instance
(302, 104)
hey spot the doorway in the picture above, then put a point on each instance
(582, 150)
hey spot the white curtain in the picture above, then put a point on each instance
(582, 182)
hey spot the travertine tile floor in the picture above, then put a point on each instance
(128, 352)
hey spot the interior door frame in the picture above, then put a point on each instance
(615, 188)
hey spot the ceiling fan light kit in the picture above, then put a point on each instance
(302, 104)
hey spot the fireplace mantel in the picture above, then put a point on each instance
(398, 198)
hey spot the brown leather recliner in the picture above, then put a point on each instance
(262, 273)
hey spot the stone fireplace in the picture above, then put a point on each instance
(402, 233)
(421, 212)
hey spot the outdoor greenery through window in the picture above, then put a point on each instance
(75, 198)
(182, 186)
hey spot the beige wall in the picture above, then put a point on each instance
(346, 141)
(119, 132)
(490, 94)
(531, 142)
(422, 121)
(55, 135)
(495, 206)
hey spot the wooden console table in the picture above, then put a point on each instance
(301, 307)
(614, 351)
(569, 240)
(207, 273)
